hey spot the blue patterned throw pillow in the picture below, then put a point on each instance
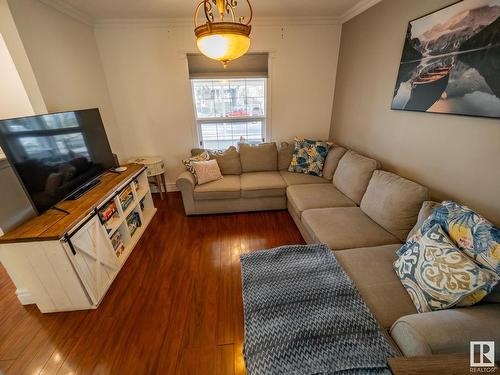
(309, 157)
(438, 276)
(468, 230)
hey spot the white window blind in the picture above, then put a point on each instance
(229, 111)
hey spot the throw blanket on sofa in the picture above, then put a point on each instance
(304, 316)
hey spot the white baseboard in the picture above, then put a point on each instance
(171, 187)
(24, 297)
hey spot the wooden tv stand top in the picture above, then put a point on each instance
(53, 224)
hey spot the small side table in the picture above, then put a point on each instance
(156, 170)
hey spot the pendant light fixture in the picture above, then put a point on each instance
(224, 36)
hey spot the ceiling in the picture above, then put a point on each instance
(144, 9)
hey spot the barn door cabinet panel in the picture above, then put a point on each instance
(71, 267)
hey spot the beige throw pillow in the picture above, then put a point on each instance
(188, 163)
(228, 160)
(207, 171)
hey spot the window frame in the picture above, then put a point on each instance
(204, 120)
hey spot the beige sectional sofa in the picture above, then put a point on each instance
(363, 214)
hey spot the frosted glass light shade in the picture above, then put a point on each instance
(223, 41)
(224, 47)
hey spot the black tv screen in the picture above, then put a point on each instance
(56, 154)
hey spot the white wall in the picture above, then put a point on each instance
(12, 40)
(15, 101)
(147, 77)
(64, 57)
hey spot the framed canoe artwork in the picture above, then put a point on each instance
(451, 61)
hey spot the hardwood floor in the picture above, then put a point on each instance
(175, 308)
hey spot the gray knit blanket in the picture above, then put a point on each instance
(304, 316)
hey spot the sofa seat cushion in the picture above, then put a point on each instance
(292, 178)
(262, 184)
(371, 271)
(306, 197)
(447, 331)
(345, 228)
(229, 187)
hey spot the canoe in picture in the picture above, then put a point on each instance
(427, 88)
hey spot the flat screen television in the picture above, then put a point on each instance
(57, 154)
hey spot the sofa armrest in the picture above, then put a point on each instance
(186, 181)
(186, 184)
(447, 331)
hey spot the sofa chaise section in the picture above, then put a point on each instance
(372, 272)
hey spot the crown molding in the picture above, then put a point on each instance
(85, 18)
(358, 9)
(188, 22)
(69, 10)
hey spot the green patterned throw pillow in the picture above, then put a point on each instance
(437, 275)
(309, 157)
(188, 163)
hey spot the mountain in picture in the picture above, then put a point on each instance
(451, 61)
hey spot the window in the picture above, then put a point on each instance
(229, 111)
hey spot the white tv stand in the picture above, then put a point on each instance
(65, 262)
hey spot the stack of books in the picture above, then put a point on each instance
(133, 222)
(126, 197)
(116, 241)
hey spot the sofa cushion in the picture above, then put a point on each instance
(188, 163)
(393, 202)
(353, 175)
(262, 184)
(207, 171)
(292, 178)
(425, 211)
(306, 197)
(345, 228)
(228, 160)
(447, 331)
(309, 157)
(285, 155)
(439, 276)
(259, 158)
(371, 270)
(228, 187)
(332, 161)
